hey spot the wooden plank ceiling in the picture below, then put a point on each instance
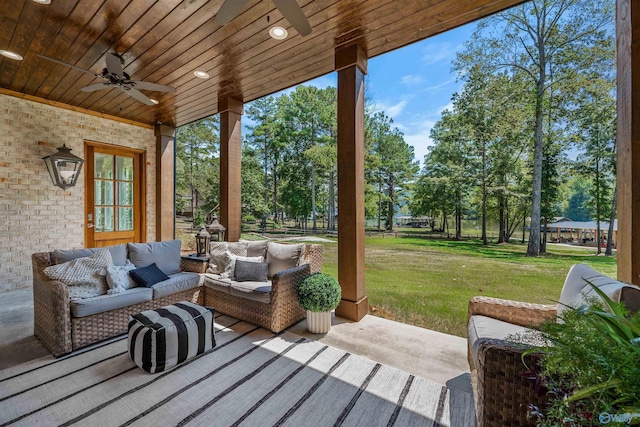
(166, 41)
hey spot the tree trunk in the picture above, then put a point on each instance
(612, 218)
(533, 249)
(458, 215)
(275, 191)
(501, 221)
(484, 195)
(524, 225)
(543, 247)
(332, 203)
(598, 213)
(379, 206)
(390, 207)
(266, 187)
(313, 197)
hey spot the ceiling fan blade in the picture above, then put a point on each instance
(293, 13)
(228, 11)
(97, 86)
(114, 65)
(69, 65)
(152, 86)
(137, 95)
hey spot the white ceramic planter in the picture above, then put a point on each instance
(318, 322)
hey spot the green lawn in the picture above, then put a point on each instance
(428, 283)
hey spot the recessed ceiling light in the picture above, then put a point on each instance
(278, 33)
(155, 101)
(201, 74)
(11, 55)
(43, 1)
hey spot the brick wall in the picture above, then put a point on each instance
(35, 215)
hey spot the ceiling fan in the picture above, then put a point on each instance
(114, 76)
(289, 9)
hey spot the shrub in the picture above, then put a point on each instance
(319, 292)
(592, 370)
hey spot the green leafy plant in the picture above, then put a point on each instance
(591, 371)
(319, 292)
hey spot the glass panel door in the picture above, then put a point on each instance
(114, 193)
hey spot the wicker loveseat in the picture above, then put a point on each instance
(502, 393)
(271, 304)
(63, 325)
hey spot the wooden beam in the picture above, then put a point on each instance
(165, 182)
(230, 167)
(628, 139)
(352, 63)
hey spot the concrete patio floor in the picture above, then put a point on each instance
(432, 355)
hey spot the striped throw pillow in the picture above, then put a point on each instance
(163, 338)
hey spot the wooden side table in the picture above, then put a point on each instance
(194, 264)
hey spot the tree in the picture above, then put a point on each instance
(197, 168)
(446, 178)
(264, 138)
(550, 42)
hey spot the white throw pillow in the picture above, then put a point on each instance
(118, 278)
(229, 271)
(85, 277)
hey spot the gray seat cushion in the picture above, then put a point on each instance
(487, 327)
(177, 283)
(100, 304)
(256, 291)
(257, 248)
(215, 282)
(166, 255)
(118, 254)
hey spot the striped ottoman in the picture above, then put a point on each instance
(161, 339)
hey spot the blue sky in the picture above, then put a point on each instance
(412, 85)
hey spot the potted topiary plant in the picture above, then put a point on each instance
(319, 293)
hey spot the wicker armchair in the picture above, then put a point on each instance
(283, 310)
(502, 393)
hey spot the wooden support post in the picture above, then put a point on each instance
(165, 182)
(351, 64)
(628, 139)
(230, 166)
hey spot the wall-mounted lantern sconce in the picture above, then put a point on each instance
(64, 167)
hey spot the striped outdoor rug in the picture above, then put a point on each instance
(252, 377)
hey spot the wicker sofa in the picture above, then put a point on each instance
(272, 304)
(64, 326)
(502, 393)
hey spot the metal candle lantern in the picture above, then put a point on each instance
(203, 238)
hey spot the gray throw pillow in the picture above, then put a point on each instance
(219, 254)
(247, 271)
(165, 255)
(282, 257)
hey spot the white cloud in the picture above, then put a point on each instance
(396, 110)
(412, 80)
(448, 106)
(440, 85)
(439, 51)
